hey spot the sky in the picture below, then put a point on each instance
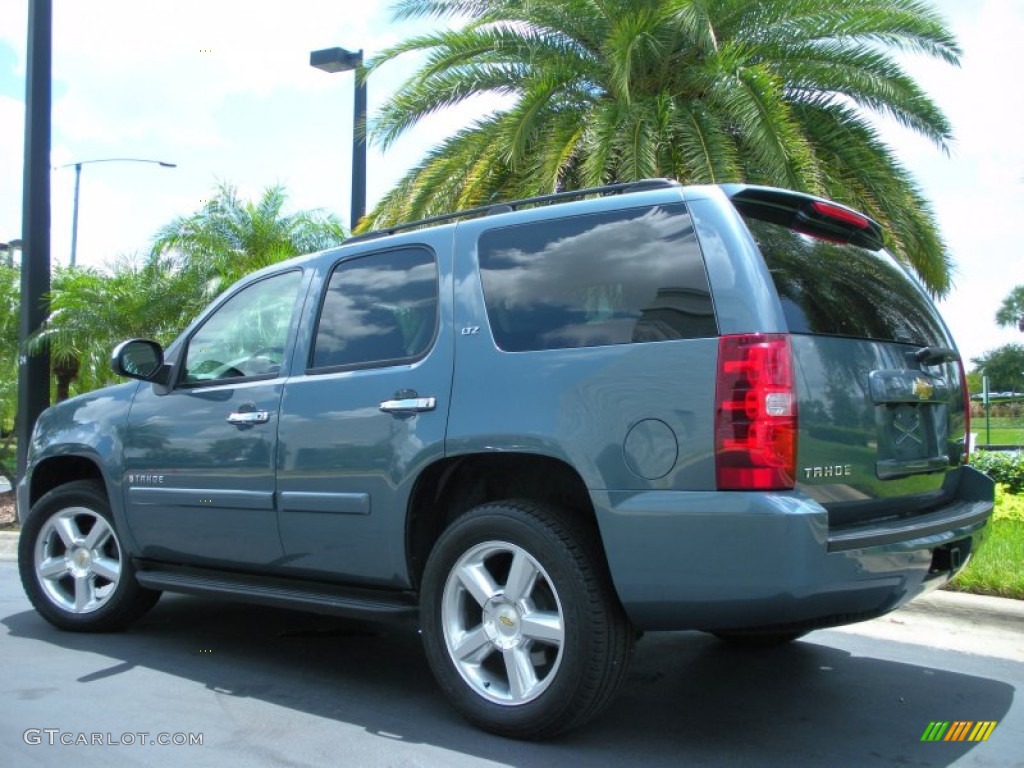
(223, 89)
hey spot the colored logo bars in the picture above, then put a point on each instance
(959, 730)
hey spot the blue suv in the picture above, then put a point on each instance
(534, 430)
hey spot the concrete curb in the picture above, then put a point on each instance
(8, 545)
(981, 610)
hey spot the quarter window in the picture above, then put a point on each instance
(380, 309)
(610, 278)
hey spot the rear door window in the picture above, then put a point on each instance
(379, 310)
(608, 278)
(836, 289)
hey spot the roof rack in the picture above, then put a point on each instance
(512, 205)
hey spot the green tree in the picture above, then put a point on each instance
(1004, 367)
(230, 237)
(1011, 311)
(10, 289)
(192, 260)
(775, 92)
(975, 383)
(92, 311)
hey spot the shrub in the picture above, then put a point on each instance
(1005, 468)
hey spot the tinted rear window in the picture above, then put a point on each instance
(608, 278)
(842, 290)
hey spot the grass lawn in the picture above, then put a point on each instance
(998, 567)
(1002, 431)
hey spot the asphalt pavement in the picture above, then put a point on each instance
(209, 683)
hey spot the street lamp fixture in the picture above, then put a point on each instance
(78, 178)
(342, 60)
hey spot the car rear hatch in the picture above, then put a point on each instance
(879, 386)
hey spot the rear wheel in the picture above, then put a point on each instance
(72, 565)
(521, 625)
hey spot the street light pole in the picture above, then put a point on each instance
(78, 178)
(342, 60)
(34, 368)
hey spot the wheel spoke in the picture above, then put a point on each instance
(543, 626)
(473, 647)
(53, 568)
(515, 612)
(478, 582)
(98, 535)
(522, 678)
(522, 575)
(107, 568)
(84, 592)
(67, 529)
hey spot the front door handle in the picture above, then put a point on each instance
(409, 405)
(248, 418)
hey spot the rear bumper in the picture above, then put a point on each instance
(717, 561)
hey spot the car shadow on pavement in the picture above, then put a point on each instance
(688, 700)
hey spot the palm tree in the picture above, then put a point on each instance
(230, 237)
(193, 258)
(10, 288)
(766, 91)
(1011, 312)
(91, 312)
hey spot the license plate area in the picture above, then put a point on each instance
(911, 439)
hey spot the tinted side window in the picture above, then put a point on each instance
(843, 290)
(609, 278)
(380, 309)
(246, 335)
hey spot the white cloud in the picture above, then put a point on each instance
(224, 89)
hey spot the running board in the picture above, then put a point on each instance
(335, 600)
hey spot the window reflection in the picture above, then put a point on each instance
(618, 278)
(380, 308)
(843, 290)
(245, 336)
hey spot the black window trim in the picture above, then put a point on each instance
(311, 370)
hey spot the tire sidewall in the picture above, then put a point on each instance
(112, 614)
(507, 524)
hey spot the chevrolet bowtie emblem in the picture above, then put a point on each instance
(923, 389)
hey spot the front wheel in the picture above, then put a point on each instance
(72, 565)
(521, 625)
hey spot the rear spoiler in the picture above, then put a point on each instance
(811, 215)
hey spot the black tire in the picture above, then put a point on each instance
(73, 567)
(742, 639)
(542, 606)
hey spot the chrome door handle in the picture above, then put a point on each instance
(247, 418)
(409, 405)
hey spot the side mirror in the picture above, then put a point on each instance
(139, 359)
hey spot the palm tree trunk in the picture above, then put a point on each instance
(65, 370)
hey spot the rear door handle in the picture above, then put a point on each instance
(248, 418)
(409, 405)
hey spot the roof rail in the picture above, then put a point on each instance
(508, 206)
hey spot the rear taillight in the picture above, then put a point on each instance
(755, 422)
(966, 393)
